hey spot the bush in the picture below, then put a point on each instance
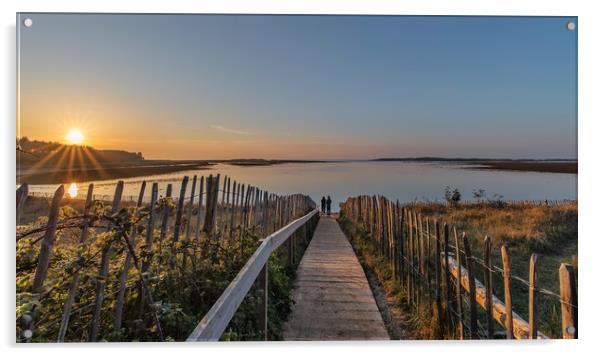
(184, 280)
(452, 195)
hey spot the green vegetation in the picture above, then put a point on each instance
(184, 278)
(54, 154)
(40, 162)
(452, 195)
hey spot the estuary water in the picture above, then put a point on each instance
(406, 181)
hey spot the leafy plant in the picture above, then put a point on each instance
(183, 279)
(452, 195)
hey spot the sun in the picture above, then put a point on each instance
(75, 137)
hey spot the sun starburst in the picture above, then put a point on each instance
(75, 137)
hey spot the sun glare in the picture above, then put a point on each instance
(75, 137)
(72, 190)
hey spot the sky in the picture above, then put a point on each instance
(301, 87)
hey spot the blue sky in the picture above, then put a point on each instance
(303, 87)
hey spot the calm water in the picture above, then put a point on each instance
(406, 181)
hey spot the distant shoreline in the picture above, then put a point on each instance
(49, 175)
(523, 165)
(46, 175)
(263, 162)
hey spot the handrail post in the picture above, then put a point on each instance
(262, 307)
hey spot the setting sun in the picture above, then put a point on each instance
(75, 137)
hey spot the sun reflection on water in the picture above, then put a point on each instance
(72, 190)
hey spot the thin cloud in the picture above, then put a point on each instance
(230, 131)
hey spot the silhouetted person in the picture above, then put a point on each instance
(323, 201)
(328, 203)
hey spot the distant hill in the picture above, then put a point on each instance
(57, 155)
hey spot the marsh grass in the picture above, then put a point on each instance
(548, 230)
(416, 322)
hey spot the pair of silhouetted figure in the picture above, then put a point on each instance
(326, 203)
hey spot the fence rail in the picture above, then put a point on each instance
(123, 250)
(427, 261)
(216, 320)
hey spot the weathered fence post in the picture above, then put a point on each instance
(103, 272)
(209, 208)
(488, 286)
(396, 229)
(148, 245)
(507, 293)
(447, 279)
(419, 244)
(179, 210)
(126, 268)
(197, 233)
(227, 207)
(533, 297)
(416, 262)
(47, 241)
(75, 277)
(472, 292)
(385, 224)
(22, 193)
(401, 252)
(439, 307)
(190, 208)
(265, 217)
(568, 301)
(235, 193)
(428, 259)
(214, 204)
(243, 216)
(166, 210)
(459, 287)
(223, 205)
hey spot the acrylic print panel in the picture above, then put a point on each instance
(273, 177)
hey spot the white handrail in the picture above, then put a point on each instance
(218, 317)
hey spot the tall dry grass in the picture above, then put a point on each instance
(533, 227)
(548, 230)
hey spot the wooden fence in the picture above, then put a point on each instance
(216, 320)
(217, 211)
(435, 265)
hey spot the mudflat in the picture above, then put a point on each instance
(531, 166)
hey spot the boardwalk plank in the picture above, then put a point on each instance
(333, 300)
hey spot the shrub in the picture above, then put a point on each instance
(452, 195)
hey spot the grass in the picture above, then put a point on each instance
(548, 230)
(529, 227)
(416, 323)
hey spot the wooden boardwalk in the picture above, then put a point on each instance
(333, 300)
